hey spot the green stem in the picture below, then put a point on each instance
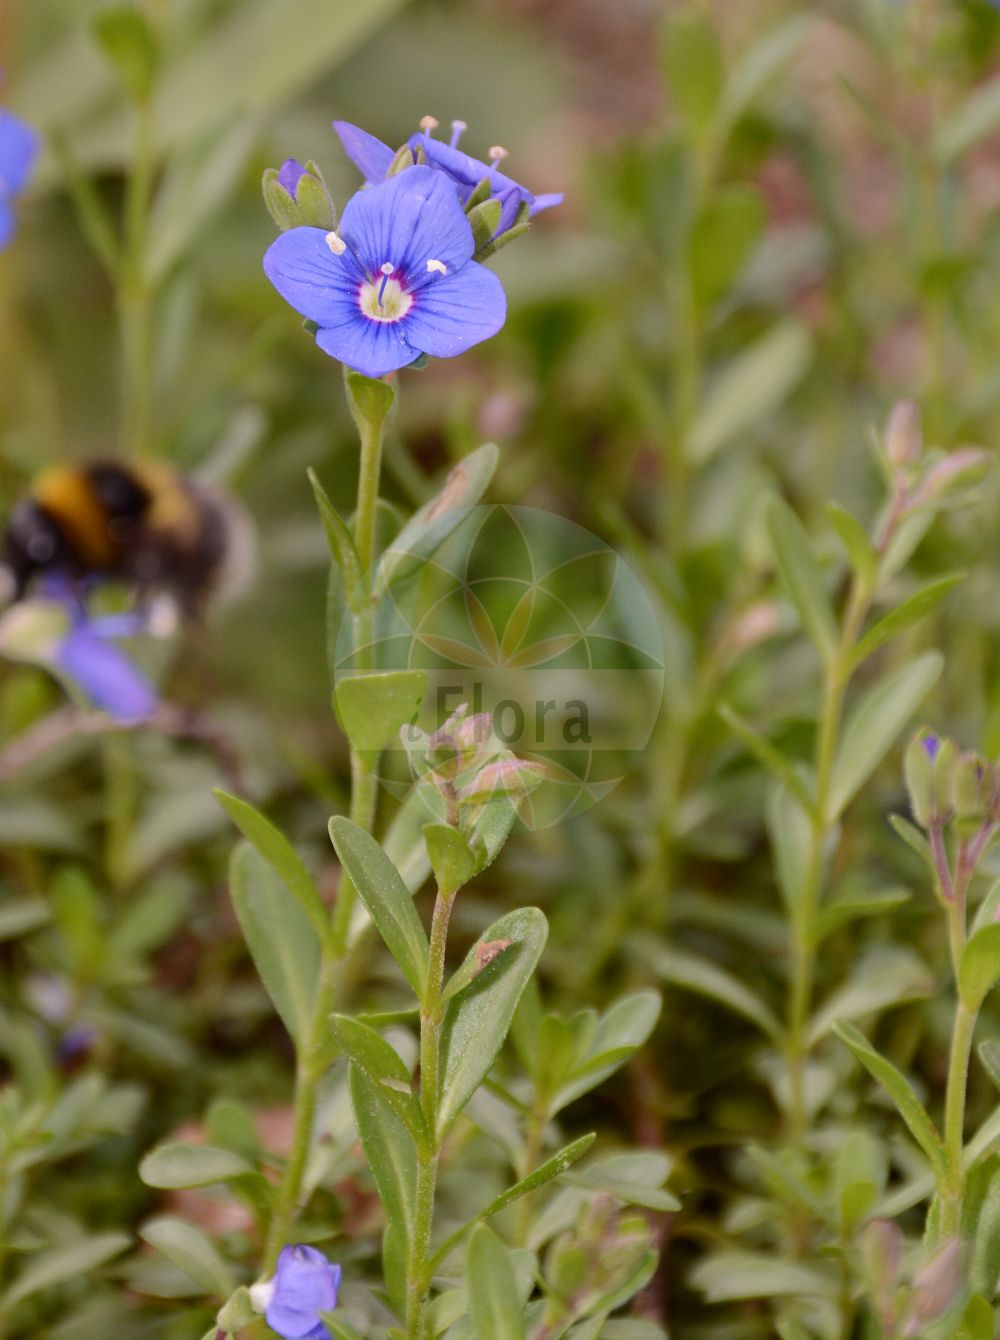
(134, 292)
(954, 1119)
(431, 1014)
(803, 944)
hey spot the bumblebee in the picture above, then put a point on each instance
(146, 525)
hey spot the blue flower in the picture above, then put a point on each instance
(931, 745)
(397, 281)
(373, 158)
(305, 1284)
(18, 150)
(100, 670)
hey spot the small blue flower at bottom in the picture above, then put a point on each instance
(305, 1284)
(398, 279)
(18, 150)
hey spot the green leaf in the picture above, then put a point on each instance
(619, 1032)
(692, 60)
(428, 528)
(979, 966)
(21, 918)
(913, 838)
(764, 751)
(173, 1167)
(852, 906)
(280, 855)
(989, 1054)
(875, 724)
(384, 1067)
(191, 1251)
(790, 831)
(977, 117)
(476, 1021)
(389, 1150)
(387, 899)
(904, 616)
(452, 860)
(801, 576)
(729, 1276)
(341, 543)
(494, 1305)
(751, 386)
(757, 70)
(372, 707)
(899, 1089)
(707, 979)
(721, 241)
(885, 978)
(339, 1328)
(544, 1173)
(856, 541)
(281, 940)
(64, 1263)
(127, 40)
(624, 1189)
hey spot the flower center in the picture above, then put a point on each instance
(384, 299)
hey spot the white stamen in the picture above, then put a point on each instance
(336, 244)
(429, 123)
(387, 267)
(437, 267)
(261, 1294)
(498, 152)
(456, 133)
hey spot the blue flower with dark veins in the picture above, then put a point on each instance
(373, 158)
(18, 150)
(305, 1284)
(396, 281)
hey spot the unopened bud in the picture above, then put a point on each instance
(966, 466)
(882, 1256)
(514, 777)
(945, 762)
(971, 786)
(297, 197)
(935, 1287)
(903, 438)
(403, 159)
(761, 621)
(918, 770)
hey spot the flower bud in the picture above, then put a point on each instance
(918, 770)
(966, 466)
(972, 785)
(882, 1256)
(935, 1287)
(903, 438)
(298, 197)
(515, 777)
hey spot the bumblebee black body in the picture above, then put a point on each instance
(146, 525)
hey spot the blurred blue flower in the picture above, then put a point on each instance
(931, 745)
(100, 670)
(305, 1284)
(372, 158)
(18, 150)
(397, 281)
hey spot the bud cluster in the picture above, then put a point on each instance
(946, 784)
(464, 762)
(924, 479)
(587, 1265)
(907, 1310)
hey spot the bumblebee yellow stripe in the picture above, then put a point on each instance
(65, 492)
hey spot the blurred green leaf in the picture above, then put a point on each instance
(176, 1166)
(752, 385)
(618, 1034)
(764, 751)
(977, 117)
(708, 979)
(281, 940)
(127, 40)
(888, 978)
(341, 542)
(280, 855)
(905, 615)
(692, 61)
(62, 1264)
(802, 576)
(191, 1251)
(979, 966)
(876, 722)
(373, 707)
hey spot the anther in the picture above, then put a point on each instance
(437, 267)
(498, 152)
(429, 123)
(336, 244)
(456, 132)
(386, 269)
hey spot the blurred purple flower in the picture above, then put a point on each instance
(102, 671)
(373, 158)
(305, 1284)
(396, 282)
(931, 745)
(18, 150)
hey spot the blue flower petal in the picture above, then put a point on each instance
(320, 285)
(290, 174)
(371, 347)
(305, 1284)
(456, 312)
(541, 202)
(19, 144)
(369, 155)
(104, 674)
(410, 219)
(465, 170)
